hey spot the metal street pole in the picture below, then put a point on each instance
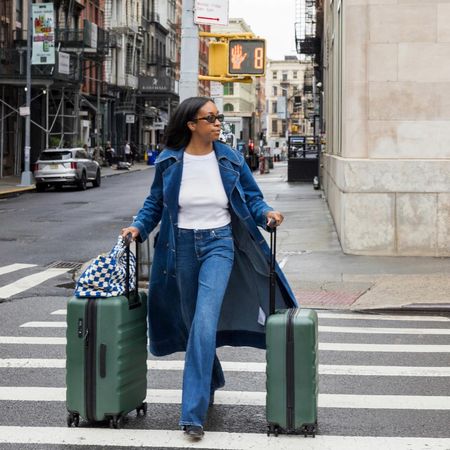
(27, 176)
(189, 52)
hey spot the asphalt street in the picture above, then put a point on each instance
(384, 380)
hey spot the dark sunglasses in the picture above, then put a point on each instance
(211, 118)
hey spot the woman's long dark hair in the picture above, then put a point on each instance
(177, 133)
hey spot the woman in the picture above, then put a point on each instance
(209, 280)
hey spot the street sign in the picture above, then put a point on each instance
(129, 118)
(24, 110)
(247, 57)
(211, 12)
(64, 63)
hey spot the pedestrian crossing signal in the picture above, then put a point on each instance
(247, 57)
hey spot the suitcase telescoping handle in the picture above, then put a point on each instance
(127, 241)
(271, 227)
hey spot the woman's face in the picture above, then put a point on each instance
(203, 128)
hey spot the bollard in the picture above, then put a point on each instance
(262, 164)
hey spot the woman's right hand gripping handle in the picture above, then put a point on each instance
(130, 230)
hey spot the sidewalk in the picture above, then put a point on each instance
(322, 276)
(9, 185)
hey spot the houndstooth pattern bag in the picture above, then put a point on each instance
(106, 276)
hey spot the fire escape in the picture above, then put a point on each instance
(308, 40)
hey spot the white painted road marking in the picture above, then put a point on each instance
(343, 370)
(13, 267)
(107, 438)
(173, 396)
(358, 316)
(323, 346)
(322, 329)
(29, 282)
(361, 330)
(355, 316)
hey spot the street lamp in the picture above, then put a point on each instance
(27, 177)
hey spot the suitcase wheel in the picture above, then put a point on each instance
(142, 408)
(116, 422)
(273, 429)
(73, 418)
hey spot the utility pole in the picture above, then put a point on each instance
(189, 52)
(27, 176)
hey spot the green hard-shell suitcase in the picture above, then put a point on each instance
(106, 367)
(292, 380)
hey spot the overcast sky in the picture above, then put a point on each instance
(269, 19)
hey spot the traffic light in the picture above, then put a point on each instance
(247, 57)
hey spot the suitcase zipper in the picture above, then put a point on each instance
(89, 363)
(290, 385)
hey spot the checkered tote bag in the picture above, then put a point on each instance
(106, 276)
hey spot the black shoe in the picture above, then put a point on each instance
(194, 431)
(211, 399)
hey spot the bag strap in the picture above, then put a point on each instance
(127, 241)
(272, 275)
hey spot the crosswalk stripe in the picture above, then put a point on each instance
(383, 348)
(135, 438)
(173, 396)
(355, 316)
(228, 366)
(358, 316)
(323, 329)
(324, 346)
(29, 282)
(361, 330)
(13, 267)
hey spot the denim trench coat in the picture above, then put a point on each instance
(246, 301)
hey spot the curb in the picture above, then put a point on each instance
(413, 308)
(14, 192)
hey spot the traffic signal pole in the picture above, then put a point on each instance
(189, 52)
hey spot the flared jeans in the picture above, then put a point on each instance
(204, 263)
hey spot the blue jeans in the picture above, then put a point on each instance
(204, 263)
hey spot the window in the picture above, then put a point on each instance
(228, 107)
(228, 89)
(274, 107)
(295, 74)
(274, 91)
(285, 75)
(274, 75)
(274, 126)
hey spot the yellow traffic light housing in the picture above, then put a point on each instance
(235, 57)
(217, 60)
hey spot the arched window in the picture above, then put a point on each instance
(228, 107)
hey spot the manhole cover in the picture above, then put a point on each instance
(73, 266)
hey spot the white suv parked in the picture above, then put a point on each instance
(59, 166)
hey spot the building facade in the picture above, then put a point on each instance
(284, 99)
(387, 100)
(65, 95)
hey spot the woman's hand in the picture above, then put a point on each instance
(276, 216)
(133, 230)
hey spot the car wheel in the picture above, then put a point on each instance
(98, 180)
(40, 187)
(82, 184)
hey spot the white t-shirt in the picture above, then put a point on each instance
(202, 202)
